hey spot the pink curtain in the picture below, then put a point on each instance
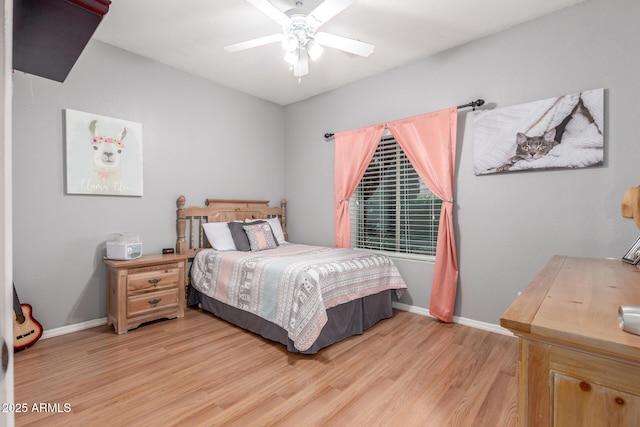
(353, 151)
(429, 141)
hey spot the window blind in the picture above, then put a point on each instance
(392, 210)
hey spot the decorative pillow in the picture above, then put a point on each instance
(276, 227)
(260, 236)
(219, 236)
(239, 236)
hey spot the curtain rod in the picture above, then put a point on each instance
(474, 104)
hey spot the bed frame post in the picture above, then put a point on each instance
(283, 220)
(181, 244)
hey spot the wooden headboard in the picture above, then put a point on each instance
(191, 237)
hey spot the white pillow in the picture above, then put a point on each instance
(219, 236)
(277, 229)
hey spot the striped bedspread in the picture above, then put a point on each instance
(293, 285)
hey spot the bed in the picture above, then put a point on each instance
(246, 272)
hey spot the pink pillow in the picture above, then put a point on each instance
(260, 236)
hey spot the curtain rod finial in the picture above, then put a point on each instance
(477, 103)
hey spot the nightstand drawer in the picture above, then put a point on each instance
(151, 279)
(145, 303)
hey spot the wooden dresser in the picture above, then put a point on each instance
(576, 366)
(144, 289)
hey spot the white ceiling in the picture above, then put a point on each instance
(190, 35)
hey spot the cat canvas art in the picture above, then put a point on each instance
(562, 132)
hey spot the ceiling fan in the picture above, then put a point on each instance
(300, 37)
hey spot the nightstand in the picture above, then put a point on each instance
(145, 289)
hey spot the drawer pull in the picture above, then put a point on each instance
(154, 282)
(154, 302)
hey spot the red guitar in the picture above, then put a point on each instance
(26, 329)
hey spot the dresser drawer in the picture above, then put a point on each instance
(151, 279)
(148, 302)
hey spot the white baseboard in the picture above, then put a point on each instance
(73, 328)
(400, 306)
(456, 319)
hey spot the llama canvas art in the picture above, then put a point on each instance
(104, 155)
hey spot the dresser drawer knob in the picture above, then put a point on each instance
(154, 282)
(154, 302)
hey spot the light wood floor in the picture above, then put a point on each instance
(406, 371)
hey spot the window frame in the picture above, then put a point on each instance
(357, 212)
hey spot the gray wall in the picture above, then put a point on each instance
(508, 225)
(200, 139)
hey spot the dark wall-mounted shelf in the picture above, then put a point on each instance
(49, 35)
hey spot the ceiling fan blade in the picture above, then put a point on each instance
(342, 43)
(261, 41)
(325, 11)
(301, 68)
(270, 10)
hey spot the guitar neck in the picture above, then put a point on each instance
(17, 307)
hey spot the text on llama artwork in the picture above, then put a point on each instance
(562, 132)
(104, 155)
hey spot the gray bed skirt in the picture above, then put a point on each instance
(344, 320)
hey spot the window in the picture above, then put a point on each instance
(392, 210)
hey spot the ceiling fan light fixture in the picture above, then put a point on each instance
(301, 68)
(292, 57)
(314, 49)
(290, 43)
